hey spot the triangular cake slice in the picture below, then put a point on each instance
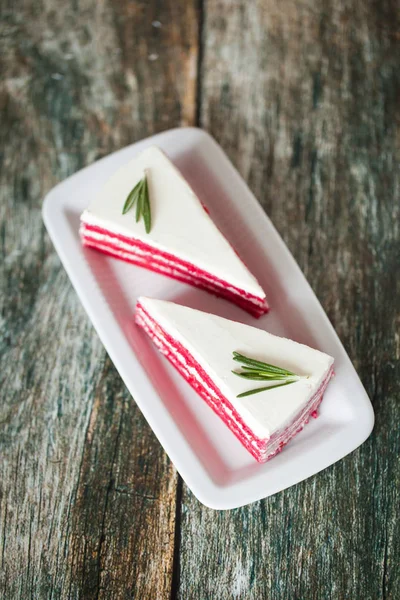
(182, 241)
(205, 349)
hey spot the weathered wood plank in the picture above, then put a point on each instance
(87, 495)
(303, 97)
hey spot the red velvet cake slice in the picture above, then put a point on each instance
(264, 387)
(147, 214)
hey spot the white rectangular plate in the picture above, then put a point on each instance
(215, 466)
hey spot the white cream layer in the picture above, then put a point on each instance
(211, 341)
(180, 224)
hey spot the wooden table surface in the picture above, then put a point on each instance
(304, 97)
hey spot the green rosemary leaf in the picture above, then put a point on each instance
(247, 368)
(139, 205)
(266, 372)
(253, 378)
(258, 364)
(264, 389)
(140, 195)
(260, 376)
(146, 207)
(264, 366)
(132, 196)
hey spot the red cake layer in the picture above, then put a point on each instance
(137, 252)
(262, 449)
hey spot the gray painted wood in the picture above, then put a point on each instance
(303, 96)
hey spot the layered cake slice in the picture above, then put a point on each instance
(147, 214)
(264, 387)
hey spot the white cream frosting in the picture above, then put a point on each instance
(180, 224)
(211, 341)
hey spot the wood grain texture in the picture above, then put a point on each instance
(304, 98)
(87, 494)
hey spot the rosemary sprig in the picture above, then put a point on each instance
(260, 371)
(265, 389)
(140, 195)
